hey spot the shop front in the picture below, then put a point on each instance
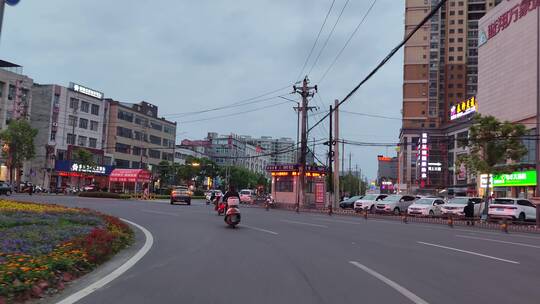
(516, 184)
(129, 180)
(72, 174)
(285, 182)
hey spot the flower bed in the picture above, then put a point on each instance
(43, 246)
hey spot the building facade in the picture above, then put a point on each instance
(15, 101)
(182, 153)
(440, 71)
(137, 137)
(509, 82)
(282, 149)
(67, 119)
(387, 173)
(235, 150)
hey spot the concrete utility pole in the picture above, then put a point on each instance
(336, 154)
(330, 160)
(305, 91)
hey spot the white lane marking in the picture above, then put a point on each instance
(158, 212)
(260, 229)
(117, 272)
(303, 223)
(402, 290)
(495, 233)
(497, 241)
(470, 252)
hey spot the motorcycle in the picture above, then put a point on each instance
(221, 208)
(232, 216)
(269, 202)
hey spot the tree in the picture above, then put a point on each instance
(18, 142)
(494, 146)
(84, 158)
(167, 173)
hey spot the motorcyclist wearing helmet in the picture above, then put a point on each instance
(231, 193)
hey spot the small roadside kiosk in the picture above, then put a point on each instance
(285, 180)
(129, 180)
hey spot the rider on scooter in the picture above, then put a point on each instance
(231, 193)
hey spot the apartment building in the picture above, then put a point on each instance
(137, 137)
(440, 73)
(282, 149)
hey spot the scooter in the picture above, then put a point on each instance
(269, 203)
(232, 216)
(221, 208)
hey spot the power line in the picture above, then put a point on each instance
(328, 37)
(316, 40)
(348, 41)
(234, 114)
(386, 59)
(371, 115)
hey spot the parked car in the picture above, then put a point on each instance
(5, 188)
(26, 187)
(215, 192)
(349, 203)
(395, 203)
(512, 208)
(181, 194)
(368, 202)
(426, 206)
(90, 188)
(246, 196)
(456, 206)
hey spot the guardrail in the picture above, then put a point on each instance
(503, 225)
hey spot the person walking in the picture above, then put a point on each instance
(469, 213)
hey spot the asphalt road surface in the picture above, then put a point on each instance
(282, 257)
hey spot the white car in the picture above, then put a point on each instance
(246, 196)
(426, 206)
(512, 208)
(395, 203)
(456, 206)
(368, 202)
(215, 192)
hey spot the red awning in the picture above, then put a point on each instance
(130, 175)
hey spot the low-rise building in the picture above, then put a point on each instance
(15, 101)
(67, 119)
(137, 136)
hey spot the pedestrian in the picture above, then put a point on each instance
(145, 192)
(469, 213)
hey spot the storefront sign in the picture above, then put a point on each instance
(463, 108)
(384, 158)
(87, 169)
(294, 167)
(514, 179)
(68, 166)
(512, 15)
(86, 91)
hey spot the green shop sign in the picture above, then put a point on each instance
(522, 178)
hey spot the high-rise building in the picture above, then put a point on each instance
(282, 149)
(440, 71)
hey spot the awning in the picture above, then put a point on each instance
(130, 176)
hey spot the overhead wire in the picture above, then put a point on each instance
(386, 59)
(347, 42)
(316, 40)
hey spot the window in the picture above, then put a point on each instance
(450, 49)
(53, 136)
(452, 31)
(82, 141)
(460, 49)
(73, 103)
(141, 120)
(122, 148)
(169, 130)
(83, 123)
(156, 126)
(72, 121)
(92, 142)
(460, 21)
(460, 31)
(460, 58)
(460, 39)
(451, 40)
(121, 163)
(155, 140)
(450, 58)
(135, 165)
(154, 153)
(284, 184)
(125, 116)
(451, 85)
(460, 13)
(462, 139)
(124, 132)
(85, 106)
(452, 22)
(95, 109)
(165, 142)
(136, 150)
(93, 125)
(139, 135)
(70, 139)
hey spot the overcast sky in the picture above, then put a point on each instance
(186, 56)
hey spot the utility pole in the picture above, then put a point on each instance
(330, 160)
(305, 91)
(336, 154)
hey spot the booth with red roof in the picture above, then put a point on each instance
(129, 180)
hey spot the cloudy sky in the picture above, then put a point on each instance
(187, 56)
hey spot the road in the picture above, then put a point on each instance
(282, 257)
